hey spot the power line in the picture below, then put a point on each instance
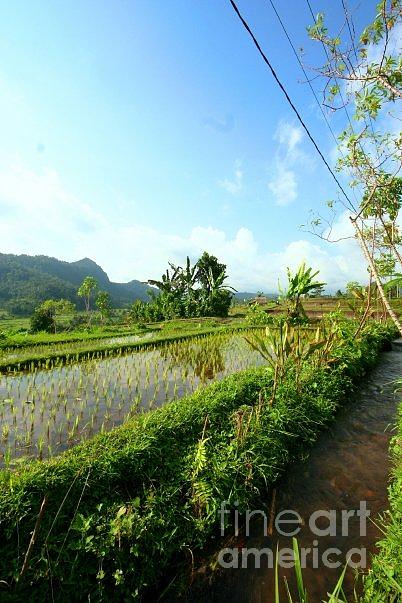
(351, 30)
(307, 79)
(337, 82)
(335, 78)
(289, 100)
(302, 68)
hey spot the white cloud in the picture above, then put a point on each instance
(283, 185)
(289, 136)
(235, 185)
(283, 182)
(36, 211)
(39, 216)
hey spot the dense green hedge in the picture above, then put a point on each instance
(125, 506)
(383, 583)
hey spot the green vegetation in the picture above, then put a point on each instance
(117, 517)
(117, 510)
(16, 334)
(300, 284)
(336, 596)
(44, 317)
(104, 304)
(193, 291)
(44, 412)
(364, 71)
(86, 290)
(97, 347)
(27, 281)
(383, 583)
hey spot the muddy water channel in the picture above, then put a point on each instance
(45, 411)
(347, 468)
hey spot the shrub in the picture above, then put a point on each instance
(41, 320)
(257, 316)
(384, 580)
(123, 506)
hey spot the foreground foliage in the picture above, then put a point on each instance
(384, 581)
(120, 510)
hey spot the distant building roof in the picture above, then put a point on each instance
(262, 300)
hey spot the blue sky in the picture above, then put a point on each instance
(138, 131)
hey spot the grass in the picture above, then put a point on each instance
(86, 349)
(43, 412)
(383, 584)
(121, 510)
(25, 339)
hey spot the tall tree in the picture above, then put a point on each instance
(210, 269)
(104, 304)
(86, 290)
(365, 72)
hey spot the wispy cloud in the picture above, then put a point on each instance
(40, 216)
(234, 185)
(283, 185)
(220, 125)
(289, 156)
(289, 137)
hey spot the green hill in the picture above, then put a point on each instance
(27, 280)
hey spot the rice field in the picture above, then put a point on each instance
(16, 354)
(43, 412)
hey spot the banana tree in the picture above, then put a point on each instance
(299, 285)
(169, 280)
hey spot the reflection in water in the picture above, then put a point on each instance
(45, 411)
(348, 465)
(20, 354)
(206, 360)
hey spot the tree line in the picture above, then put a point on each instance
(191, 291)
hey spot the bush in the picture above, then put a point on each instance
(384, 580)
(41, 320)
(257, 316)
(123, 506)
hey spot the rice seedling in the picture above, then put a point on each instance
(64, 404)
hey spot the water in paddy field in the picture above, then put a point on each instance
(348, 465)
(16, 354)
(46, 411)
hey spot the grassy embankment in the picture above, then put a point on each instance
(383, 583)
(111, 516)
(21, 350)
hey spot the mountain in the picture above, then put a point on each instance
(26, 280)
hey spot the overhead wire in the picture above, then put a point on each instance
(351, 31)
(344, 104)
(307, 79)
(290, 102)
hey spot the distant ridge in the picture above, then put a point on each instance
(27, 280)
(246, 295)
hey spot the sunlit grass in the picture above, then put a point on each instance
(45, 411)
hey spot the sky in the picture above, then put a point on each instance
(135, 132)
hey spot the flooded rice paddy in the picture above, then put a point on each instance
(70, 347)
(43, 412)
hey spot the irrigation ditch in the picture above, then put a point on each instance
(348, 465)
